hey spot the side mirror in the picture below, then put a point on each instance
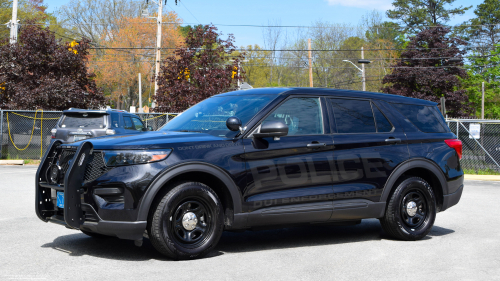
(272, 129)
(233, 123)
(150, 128)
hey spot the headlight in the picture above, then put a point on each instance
(132, 157)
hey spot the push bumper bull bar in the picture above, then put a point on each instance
(74, 205)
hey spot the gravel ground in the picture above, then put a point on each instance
(463, 245)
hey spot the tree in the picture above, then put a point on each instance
(33, 11)
(96, 19)
(203, 67)
(484, 29)
(39, 72)
(484, 69)
(415, 14)
(426, 72)
(117, 69)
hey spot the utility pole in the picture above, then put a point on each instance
(140, 96)
(482, 102)
(310, 64)
(13, 24)
(158, 43)
(363, 69)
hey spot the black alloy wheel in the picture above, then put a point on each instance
(187, 222)
(414, 209)
(191, 221)
(411, 210)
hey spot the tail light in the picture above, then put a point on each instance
(455, 144)
(53, 132)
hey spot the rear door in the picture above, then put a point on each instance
(368, 146)
(293, 169)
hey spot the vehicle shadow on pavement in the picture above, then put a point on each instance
(79, 244)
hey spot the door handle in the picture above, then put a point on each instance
(316, 145)
(391, 140)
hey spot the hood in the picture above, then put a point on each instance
(146, 140)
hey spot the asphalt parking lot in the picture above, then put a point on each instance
(463, 245)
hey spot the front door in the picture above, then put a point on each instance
(293, 169)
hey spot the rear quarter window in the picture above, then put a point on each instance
(423, 117)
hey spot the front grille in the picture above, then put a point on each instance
(95, 167)
(64, 160)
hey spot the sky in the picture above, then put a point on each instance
(288, 12)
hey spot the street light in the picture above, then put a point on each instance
(362, 70)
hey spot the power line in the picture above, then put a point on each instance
(288, 26)
(283, 50)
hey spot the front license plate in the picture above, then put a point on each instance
(60, 199)
(78, 138)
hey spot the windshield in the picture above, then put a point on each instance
(210, 115)
(83, 121)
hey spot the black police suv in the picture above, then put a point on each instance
(268, 157)
(79, 124)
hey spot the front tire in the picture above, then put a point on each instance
(411, 210)
(187, 223)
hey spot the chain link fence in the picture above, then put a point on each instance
(27, 134)
(480, 143)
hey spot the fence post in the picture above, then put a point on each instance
(1, 133)
(457, 129)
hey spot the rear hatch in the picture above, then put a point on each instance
(76, 126)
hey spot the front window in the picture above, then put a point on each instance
(210, 115)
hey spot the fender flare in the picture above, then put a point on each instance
(170, 173)
(411, 164)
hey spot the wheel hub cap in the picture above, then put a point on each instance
(411, 208)
(189, 221)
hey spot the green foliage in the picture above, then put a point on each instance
(33, 11)
(484, 29)
(418, 13)
(484, 68)
(481, 172)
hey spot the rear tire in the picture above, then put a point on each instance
(187, 223)
(411, 210)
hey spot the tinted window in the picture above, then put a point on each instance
(115, 123)
(422, 117)
(353, 116)
(83, 120)
(383, 125)
(128, 123)
(302, 115)
(137, 124)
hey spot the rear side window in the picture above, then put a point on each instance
(423, 117)
(359, 116)
(83, 121)
(115, 120)
(353, 116)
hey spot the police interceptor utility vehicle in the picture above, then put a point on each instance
(270, 157)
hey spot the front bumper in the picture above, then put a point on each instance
(80, 210)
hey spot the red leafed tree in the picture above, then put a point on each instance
(41, 72)
(429, 69)
(204, 66)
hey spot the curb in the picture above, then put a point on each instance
(11, 162)
(482, 177)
